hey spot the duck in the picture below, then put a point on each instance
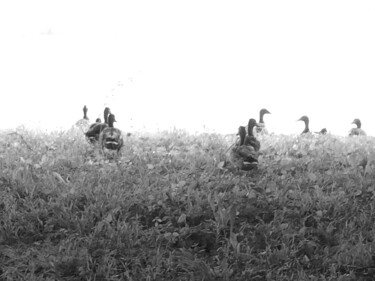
(306, 120)
(322, 131)
(97, 121)
(95, 129)
(243, 157)
(250, 139)
(357, 131)
(111, 138)
(261, 128)
(84, 123)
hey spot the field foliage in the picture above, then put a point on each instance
(171, 208)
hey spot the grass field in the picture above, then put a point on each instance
(169, 209)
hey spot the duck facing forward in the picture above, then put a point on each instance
(261, 128)
(111, 138)
(95, 129)
(306, 120)
(243, 157)
(357, 131)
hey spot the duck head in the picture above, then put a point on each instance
(107, 111)
(85, 112)
(111, 120)
(357, 122)
(98, 120)
(305, 119)
(261, 114)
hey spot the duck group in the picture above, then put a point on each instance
(96, 128)
(105, 134)
(244, 154)
(358, 131)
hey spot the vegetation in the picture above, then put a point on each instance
(170, 208)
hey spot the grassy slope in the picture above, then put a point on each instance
(168, 212)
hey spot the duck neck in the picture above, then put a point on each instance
(261, 114)
(106, 118)
(242, 138)
(306, 127)
(250, 128)
(85, 115)
(359, 125)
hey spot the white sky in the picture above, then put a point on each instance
(188, 63)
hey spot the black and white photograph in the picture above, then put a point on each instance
(187, 140)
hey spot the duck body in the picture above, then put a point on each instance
(242, 156)
(97, 121)
(110, 137)
(261, 128)
(357, 131)
(94, 132)
(95, 129)
(306, 120)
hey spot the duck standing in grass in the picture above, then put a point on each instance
(111, 138)
(357, 131)
(322, 131)
(250, 139)
(306, 120)
(95, 129)
(261, 128)
(243, 157)
(97, 121)
(84, 123)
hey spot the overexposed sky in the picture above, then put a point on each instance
(189, 64)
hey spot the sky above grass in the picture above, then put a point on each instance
(188, 64)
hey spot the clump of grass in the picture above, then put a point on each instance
(167, 210)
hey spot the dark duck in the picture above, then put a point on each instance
(322, 131)
(97, 121)
(250, 139)
(111, 138)
(357, 131)
(306, 120)
(243, 157)
(83, 123)
(261, 128)
(95, 129)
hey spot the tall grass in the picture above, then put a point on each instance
(167, 209)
